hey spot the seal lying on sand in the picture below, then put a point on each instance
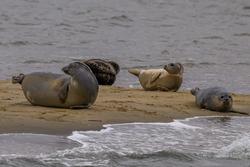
(78, 89)
(214, 98)
(105, 71)
(167, 79)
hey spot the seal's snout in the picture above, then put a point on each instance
(194, 91)
(171, 68)
(226, 99)
(18, 79)
(65, 69)
(174, 68)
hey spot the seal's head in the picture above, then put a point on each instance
(18, 79)
(174, 68)
(116, 66)
(75, 66)
(195, 91)
(223, 102)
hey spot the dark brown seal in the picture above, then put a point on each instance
(104, 70)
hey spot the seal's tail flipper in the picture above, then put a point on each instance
(63, 93)
(18, 79)
(194, 91)
(134, 71)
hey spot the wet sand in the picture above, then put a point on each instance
(113, 105)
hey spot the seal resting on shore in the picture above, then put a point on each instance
(77, 89)
(167, 79)
(214, 98)
(105, 71)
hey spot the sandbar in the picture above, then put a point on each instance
(113, 105)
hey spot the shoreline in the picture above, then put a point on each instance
(114, 105)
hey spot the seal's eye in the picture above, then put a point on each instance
(230, 97)
(171, 64)
(222, 97)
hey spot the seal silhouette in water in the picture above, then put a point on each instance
(105, 71)
(77, 89)
(214, 98)
(167, 79)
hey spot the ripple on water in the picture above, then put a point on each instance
(126, 31)
(199, 141)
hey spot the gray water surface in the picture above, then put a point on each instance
(211, 38)
(196, 142)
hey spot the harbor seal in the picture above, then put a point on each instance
(214, 98)
(77, 89)
(167, 79)
(105, 71)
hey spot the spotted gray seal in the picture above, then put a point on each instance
(214, 98)
(167, 79)
(77, 89)
(104, 70)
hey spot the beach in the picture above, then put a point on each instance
(113, 105)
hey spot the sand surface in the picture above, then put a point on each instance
(113, 105)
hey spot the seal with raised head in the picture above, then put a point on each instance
(104, 70)
(78, 89)
(167, 79)
(214, 98)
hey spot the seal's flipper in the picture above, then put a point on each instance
(165, 89)
(155, 77)
(203, 103)
(80, 106)
(18, 79)
(134, 71)
(63, 92)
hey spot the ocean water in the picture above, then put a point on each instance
(211, 38)
(196, 142)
